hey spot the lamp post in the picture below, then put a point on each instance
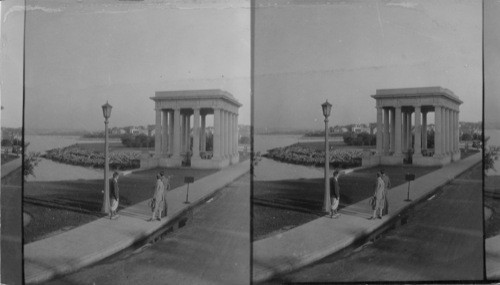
(327, 107)
(106, 111)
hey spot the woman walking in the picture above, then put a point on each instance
(158, 199)
(166, 187)
(379, 197)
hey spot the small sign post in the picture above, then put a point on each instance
(409, 177)
(188, 179)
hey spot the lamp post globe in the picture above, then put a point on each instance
(326, 108)
(106, 111)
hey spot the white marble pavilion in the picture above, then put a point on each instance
(174, 111)
(398, 136)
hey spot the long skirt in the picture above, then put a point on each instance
(114, 204)
(385, 211)
(380, 202)
(161, 207)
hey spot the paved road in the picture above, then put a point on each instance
(11, 230)
(213, 248)
(443, 240)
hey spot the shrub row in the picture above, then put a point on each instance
(298, 154)
(75, 155)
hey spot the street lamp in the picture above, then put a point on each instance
(106, 111)
(327, 107)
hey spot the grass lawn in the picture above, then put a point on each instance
(8, 157)
(492, 225)
(282, 205)
(62, 205)
(464, 154)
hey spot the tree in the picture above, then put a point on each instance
(477, 136)
(466, 137)
(244, 140)
(6, 142)
(126, 140)
(31, 160)
(348, 138)
(490, 156)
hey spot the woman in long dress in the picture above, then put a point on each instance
(379, 196)
(166, 187)
(159, 197)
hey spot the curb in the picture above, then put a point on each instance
(356, 240)
(10, 166)
(165, 227)
(492, 261)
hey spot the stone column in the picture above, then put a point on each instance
(226, 134)
(158, 133)
(171, 131)
(424, 130)
(446, 130)
(236, 134)
(217, 133)
(404, 147)
(397, 146)
(457, 132)
(229, 134)
(453, 131)
(196, 134)
(418, 132)
(386, 131)
(188, 132)
(203, 141)
(437, 131)
(183, 133)
(408, 134)
(379, 131)
(222, 133)
(443, 129)
(177, 135)
(450, 126)
(164, 132)
(393, 129)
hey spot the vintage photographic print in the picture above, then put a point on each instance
(391, 93)
(136, 141)
(11, 93)
(492, 139)
(249, 142)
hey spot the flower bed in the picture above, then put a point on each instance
(75, 155)
(298, 154)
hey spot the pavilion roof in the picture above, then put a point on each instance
(181, 95)
(416, 92)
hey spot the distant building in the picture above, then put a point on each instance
(360, 128)
(337, 130)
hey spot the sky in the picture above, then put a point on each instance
(308, 52)
(80, 54)
(492, 64)
(11, 63)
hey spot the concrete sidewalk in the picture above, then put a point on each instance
(315, 240)
(492, 252)
(11, 166)
(92, 242)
